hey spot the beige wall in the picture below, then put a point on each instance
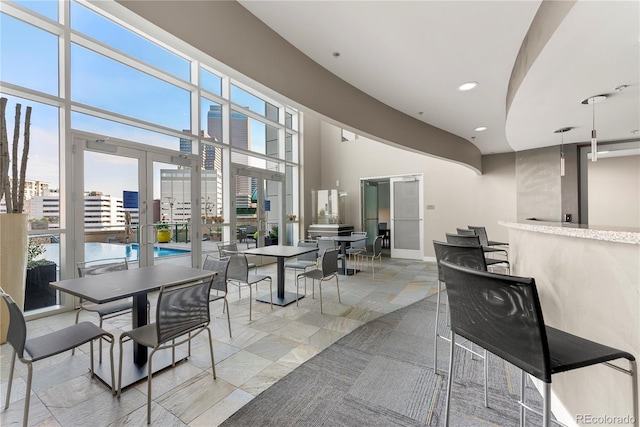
(614, 191)
(460, 196)
(310, 169)
(589, 288)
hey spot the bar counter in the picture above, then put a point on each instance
(588, 279)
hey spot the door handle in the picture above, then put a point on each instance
(147, 234)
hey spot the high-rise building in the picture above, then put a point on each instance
(175, 188)
(240, 136)
(210, 155)
(101, 211)
(32, 188)
(211, 160)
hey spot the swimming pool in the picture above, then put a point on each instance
(95, 250)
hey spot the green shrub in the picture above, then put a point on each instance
(35, 248)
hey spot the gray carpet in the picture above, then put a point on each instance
(381, 374)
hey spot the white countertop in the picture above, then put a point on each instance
(607, 234)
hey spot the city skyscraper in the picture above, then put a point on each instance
(211, 160)
(240, 136)
(210, 156)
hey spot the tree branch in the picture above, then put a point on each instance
(4, 157)
(14, 156)
(25, 157)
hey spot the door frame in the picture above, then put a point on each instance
(364, 219)
(262, 176)
(146, 156)
(398, 253)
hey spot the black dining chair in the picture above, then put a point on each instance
(465, 232)
(39, 348)
(467, 256)
(182, 310)
(502, 314)
(460, 239)
(489, 246)
(482, 232)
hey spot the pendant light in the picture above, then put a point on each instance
(594, 141)
(561, 131)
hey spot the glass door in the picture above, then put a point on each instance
(260, 207)
(136, 203)
(370, 209)
(406, 217)
(273, 211)
(171, 221)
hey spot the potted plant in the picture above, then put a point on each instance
(39, 224)
(163, 232)
(272, 238)
(13, 224)
(40, 272)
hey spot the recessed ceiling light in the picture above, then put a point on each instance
(467, 86)
(480, 128)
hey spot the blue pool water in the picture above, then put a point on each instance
(93, 251)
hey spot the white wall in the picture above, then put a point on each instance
(614, 191)
(460, 196)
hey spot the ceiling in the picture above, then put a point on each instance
(413, 55)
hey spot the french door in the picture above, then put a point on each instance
(260, 204)
(137, 202)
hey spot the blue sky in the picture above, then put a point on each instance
(28, 56)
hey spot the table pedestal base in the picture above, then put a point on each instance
(350, 271)
(132, 373)
(289, 297)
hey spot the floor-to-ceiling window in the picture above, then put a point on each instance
(106, 96)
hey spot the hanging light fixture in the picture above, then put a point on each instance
(561, 131)
(594, 141)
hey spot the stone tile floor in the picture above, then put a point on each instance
(261, 352)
